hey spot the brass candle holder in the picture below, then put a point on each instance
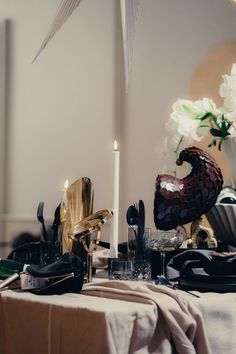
(87, 232)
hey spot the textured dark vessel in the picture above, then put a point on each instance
(180, 201)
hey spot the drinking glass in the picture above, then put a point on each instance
(121, 269)
(166, 241)
(139, 253)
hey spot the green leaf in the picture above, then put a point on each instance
(224, 125)
(219, 145)
(213, 142)
(205, 116)
(216, 132)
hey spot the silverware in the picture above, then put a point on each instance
(135, 217)
(132, 221)
(132, 216)
(141, 229)
(56, 223)
(141, 218)
(41, 220)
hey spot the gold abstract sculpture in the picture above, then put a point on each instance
(79, 205)
(81, 227)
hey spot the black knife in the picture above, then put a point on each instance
(141, 228)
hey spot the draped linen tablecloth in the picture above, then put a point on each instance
(117, 317)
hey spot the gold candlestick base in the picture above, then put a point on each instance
(89, 267)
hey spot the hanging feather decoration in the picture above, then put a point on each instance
(66, 8)
(129, 14)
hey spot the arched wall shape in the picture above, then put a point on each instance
(205, 82)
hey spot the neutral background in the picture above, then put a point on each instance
(64, 112)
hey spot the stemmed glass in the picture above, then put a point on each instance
(166, 241)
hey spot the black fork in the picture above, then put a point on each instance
(41, 220)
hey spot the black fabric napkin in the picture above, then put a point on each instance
(203, 270)
(68, 274)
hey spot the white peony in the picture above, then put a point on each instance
(189, 117)
(227, 90)
(192, 120)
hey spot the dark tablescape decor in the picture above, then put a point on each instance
(138, 247)
(203, 270)
(222, 217)
(179, 201)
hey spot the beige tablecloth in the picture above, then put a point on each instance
(117, 317)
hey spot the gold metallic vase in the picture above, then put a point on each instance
(79, 205)
(80, 226)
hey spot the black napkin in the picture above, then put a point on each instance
(203, 270)
(68, 264)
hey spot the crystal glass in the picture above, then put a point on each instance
(139, 253)
(121, 269)
(166, 241)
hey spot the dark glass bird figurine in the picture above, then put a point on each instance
(179, 201)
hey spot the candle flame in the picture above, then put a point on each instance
(66, 184)
(115, 145)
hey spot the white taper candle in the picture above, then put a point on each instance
(116, 186)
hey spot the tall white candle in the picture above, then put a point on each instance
(116, 187)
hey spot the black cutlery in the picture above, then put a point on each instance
(141, 218)
(132, 216)
(41, 220)
(56, 224)
(141, 229)
(132, 221)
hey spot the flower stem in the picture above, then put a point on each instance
(178, 146)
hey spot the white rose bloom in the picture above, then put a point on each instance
(233, 69)
(230, 103)
(188, 114)
(231, 116)
(228, 90)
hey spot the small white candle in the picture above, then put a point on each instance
(63, 210)
(115, 223)
(64, 194)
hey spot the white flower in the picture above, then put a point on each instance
(233, 69)
(228, 90)
(189, 115)
(192, 120)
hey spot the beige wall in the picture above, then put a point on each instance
(65, 110)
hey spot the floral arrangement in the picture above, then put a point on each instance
(192, 120)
